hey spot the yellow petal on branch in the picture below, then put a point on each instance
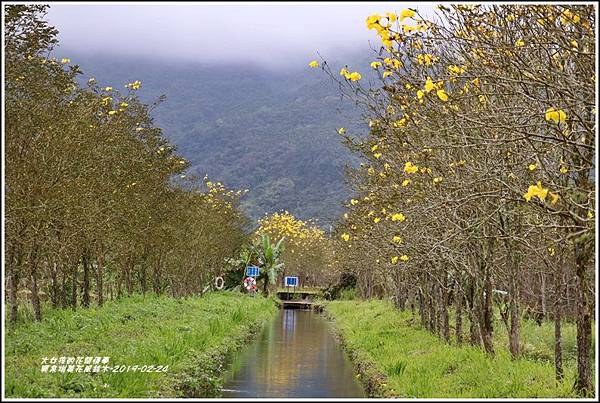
(442, 95)
(407, 13)
(555, 115)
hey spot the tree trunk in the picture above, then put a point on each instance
(266, 287)
(444, 312)
(459, 304)
(63, 294)
(514, 327)
(422, 310)
(85, 297)
(583, 384)
(558, 278)
(487, 317)
(35, 300)
(143, 277)
(54, 287)
(128, 280)
(156, 277)
(543, 295)
(12, 295)
(99, 278)
(473, 311)
(74, 289)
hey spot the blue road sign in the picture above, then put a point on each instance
(252, 271)
(291, 281)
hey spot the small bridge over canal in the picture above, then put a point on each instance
(299, 298)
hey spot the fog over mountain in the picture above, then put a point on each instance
(241, 103)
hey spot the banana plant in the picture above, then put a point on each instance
(268, 257)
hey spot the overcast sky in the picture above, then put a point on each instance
(263, 33)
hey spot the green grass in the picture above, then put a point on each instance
(415, 363)
(193, 336)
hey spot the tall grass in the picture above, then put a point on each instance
(419, 364)
(184, 334)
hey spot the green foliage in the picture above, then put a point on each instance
(193, 336)
(269, 259)
(221, 118)
(418, 364)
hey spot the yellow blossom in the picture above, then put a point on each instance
(394, 259)
(438, 179)
(426, 59)
(387, 73)
(341, 130)
(429, 85)
(410, 168)
(404, 258)
(354, 202)
(406, 182)
(376, 220)
(65, 60)
(536, 191)
(396, 239)
(377, 155)
(398, 217)
(532, 167)
(551, 251)
(354, 76)
(345, 237)
(442, 95)
(375, 65)
(456, 70)
(520, 42)
(407, 13)
(564, 169)
(556, 115)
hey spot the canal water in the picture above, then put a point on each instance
(295, 356)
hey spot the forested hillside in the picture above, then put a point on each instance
(272, 132)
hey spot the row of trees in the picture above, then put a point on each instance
(97, 203)
(477, 190)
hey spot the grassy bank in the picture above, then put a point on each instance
(396, 358)
(193, 336)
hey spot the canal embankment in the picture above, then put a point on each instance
(166, 347)
(394, 357)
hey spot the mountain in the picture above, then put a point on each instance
(272, 132)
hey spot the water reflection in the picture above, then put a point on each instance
(296, 356)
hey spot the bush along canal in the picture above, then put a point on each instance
(296, 356)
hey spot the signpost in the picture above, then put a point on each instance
(252, 271)
(291, 281)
